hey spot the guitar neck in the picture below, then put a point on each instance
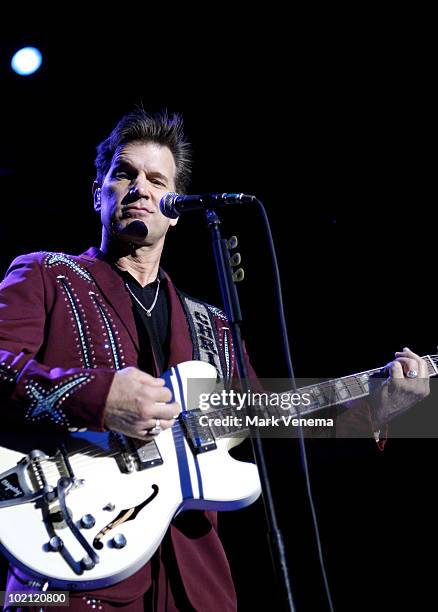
(321, 395)
(352, 387)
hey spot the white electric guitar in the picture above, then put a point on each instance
(89, 509)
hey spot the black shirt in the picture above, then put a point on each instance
(153, 331)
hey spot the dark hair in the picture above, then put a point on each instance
(141, 126)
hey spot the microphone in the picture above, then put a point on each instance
(173, 204)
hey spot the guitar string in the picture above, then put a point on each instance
(349, 382)
(89, 451)
(324, 386)
(84, 454)
(81, 463)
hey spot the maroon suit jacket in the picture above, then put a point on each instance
(66, 325)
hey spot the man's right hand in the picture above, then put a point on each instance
(136, 401)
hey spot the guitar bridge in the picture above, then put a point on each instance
(135, 454)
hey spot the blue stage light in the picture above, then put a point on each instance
(26, 61)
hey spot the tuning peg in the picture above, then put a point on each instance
(235, 259)
(238, 275)
(232, 242)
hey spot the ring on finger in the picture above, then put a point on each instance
(155, 430)
(412, 374)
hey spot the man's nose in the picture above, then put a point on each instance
(141, 187)
(139, 190)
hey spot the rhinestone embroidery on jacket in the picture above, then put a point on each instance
(109, 330)
(7, 374)
(55, 259)
(79, 324)
(46, 402)
(217, 312)
(227, 354)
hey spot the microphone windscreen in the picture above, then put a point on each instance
(138, 229)
(167, 205)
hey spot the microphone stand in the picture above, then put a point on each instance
(231, 303)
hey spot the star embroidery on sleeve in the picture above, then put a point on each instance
(46, 402)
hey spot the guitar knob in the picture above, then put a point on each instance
(88, 521)
(119, 540)
(56, 544)
(87, 563)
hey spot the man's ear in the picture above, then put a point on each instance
(97, 190)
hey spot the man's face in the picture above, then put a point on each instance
(140, 174)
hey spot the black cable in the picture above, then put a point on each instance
(232, 307)
(286, 351)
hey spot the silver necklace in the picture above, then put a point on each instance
(148, 311)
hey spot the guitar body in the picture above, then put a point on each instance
(131, 496)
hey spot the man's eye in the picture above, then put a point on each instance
(121, 174)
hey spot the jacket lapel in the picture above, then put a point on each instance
(113, 290)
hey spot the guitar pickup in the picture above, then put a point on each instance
(147, 456)
(135, 455)
(199, 437)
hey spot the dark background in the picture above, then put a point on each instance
(334, 130)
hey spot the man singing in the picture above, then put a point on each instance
(84, 339)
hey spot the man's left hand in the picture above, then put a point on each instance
(407, 384)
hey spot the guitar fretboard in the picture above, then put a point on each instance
(322, 395)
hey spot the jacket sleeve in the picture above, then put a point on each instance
(36, 393)
(354, 419)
